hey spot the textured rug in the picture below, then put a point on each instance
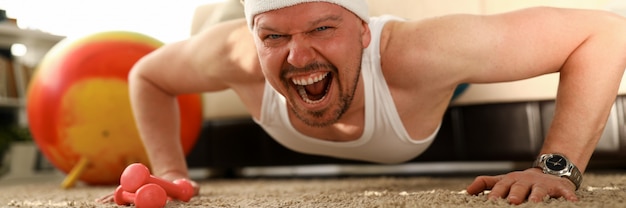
(598, 190)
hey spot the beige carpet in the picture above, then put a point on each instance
(598, 190)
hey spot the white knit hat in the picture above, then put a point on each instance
(254, 7)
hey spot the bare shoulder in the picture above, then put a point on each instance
(452, 49)
(412, 51)
(423, 47)
(534, 18)
(227, 51)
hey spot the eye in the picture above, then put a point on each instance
(274, 40)
(322, 28)
(273, 36)
(322, 32)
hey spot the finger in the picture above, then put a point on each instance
(501, 189)
(196, 188)
(482, 183)
(518, 192)
(105, 199)
(570, 196)
(565, 190)
(537, 194)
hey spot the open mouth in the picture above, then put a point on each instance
(313, 88)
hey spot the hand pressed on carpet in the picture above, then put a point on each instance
(517, 187)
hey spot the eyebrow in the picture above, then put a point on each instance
(333, 17)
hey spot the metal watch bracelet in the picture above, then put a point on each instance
(559, 165)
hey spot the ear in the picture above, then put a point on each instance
(366, 35)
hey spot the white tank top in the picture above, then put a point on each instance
(384, 138)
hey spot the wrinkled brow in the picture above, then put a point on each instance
(333, 17)
(311, 23)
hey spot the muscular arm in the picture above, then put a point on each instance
(587, 48)
(589, 51)
(205, 62)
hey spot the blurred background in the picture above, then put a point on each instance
(171, 20)
(165, 20)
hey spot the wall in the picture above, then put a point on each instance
(416, 9)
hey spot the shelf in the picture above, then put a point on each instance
(8, 102)
(10, 34)
(38, 43)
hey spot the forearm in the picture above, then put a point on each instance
(588, 86)
(157, 119)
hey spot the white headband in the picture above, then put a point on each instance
(254, 7)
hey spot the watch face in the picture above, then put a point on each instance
(556, 163)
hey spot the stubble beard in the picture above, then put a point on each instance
(332, 114)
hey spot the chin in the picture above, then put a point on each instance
(318, 118)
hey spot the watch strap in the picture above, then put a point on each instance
(573, 173)
(575, 176)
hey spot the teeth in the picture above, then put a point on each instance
(305, 97)
(310, 80)
(301, 82)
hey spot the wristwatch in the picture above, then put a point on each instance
(559, 165)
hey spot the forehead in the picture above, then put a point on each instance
(302, 13)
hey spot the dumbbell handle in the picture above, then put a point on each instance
(149, 196)
(137, 174)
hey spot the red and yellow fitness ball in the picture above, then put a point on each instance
(79, 108)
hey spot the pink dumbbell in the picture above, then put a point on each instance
(137, 174)
(148, 196)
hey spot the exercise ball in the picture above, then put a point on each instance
(79, 109)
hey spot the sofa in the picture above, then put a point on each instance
(488, 122)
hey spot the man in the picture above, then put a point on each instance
(322, 77)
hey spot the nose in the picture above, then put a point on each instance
(301, 51)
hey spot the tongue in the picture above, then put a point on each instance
(316, 90)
